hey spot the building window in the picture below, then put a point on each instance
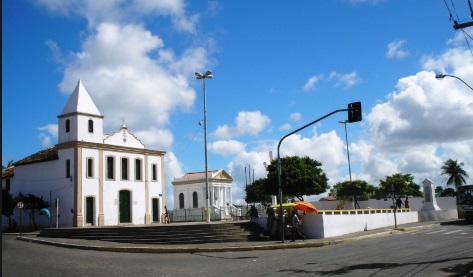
(68, 168)
(68, 125)
(90, 167)
(124, 168)
(137, 169)
(110, 168)
(91, 126)
(194, 200)
(154, 172)
(7, 185)
(181, 201)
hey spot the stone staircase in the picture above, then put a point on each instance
(179, 233)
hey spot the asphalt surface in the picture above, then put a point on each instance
(222, 247)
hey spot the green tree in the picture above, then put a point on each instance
(8, 204)
(358, 190)
(255, 192)
(455, 173)
(32, 205)
(448, 192)
(402, 184)
(299, 177)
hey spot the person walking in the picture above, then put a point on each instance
(166, 216)
(253, 212)
(295, 227)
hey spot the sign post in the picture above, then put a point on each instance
(20, 206)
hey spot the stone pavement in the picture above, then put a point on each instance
(222, 247)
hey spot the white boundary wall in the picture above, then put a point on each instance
(328, 224)
(332, 225)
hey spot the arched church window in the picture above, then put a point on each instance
(195, 203)
(91, 126)
(68, 125)
(181, 200)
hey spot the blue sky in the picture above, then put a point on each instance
(277, 66)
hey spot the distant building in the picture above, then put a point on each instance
(189, 190)
(99, 179)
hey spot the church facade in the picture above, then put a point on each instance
(98, 179)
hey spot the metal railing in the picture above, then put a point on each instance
(199, 214)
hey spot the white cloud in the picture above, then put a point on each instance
(422, 124)
(348, 80)
(395, 50)
(310, 85)
(161, 139)
(227, 147)
(296, 117)
(52, 129)
(172, 169)
(124, 11)
(48, 138)
(285, 126)
(117, 69)
(246, 123)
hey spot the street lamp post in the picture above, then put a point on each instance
(200, 76)
(441, 76)
(346, 138)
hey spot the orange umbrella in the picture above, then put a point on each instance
(306, 206)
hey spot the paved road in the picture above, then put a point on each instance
(441, 250)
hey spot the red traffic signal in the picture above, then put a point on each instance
(354, 112)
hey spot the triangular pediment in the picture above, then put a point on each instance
(123, 137)
(222, 174)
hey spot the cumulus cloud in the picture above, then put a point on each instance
(310, 85)
(124, 11)
(173, 169)
(423, 123)
(47, 139)
(346, 80)
(296, 117)
(227, 147)
(328, 148)
(246, 123)
(123, 79)
(395, 50)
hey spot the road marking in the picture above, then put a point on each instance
(451, 232)
(434, 232)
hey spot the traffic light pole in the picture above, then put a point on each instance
(354, 114)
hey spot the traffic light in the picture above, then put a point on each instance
(354, 112)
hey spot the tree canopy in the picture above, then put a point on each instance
(299, 177)
(455, 173)
(255, 192)
(359, 190)
(8, 204)
(400, 184)
(32, 205)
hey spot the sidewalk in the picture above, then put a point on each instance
(221, 247)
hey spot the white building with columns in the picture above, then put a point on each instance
(99, 179)
(189, 190)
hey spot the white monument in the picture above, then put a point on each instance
(430, 202)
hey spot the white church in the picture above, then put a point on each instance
(100, 180)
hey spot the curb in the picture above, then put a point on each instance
(144, 249)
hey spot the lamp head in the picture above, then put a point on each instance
(440, 76)
(199, 75)
(208, 74)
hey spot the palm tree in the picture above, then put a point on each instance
(455, 173)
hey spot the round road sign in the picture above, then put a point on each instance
(20, 205)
